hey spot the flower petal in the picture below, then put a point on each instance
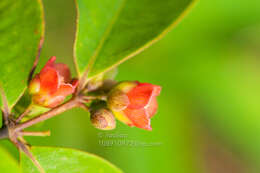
(64, 90)
(54, 101)
(120, 115)
(156, 90)
(49, 80)
(74, 82)
(51, 61)
(63, 71)
(139, 117)
(140, 95)
(151, 108)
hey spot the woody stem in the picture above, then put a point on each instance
(100, 97)
(28, 133)
(3, 132)
(73, 102)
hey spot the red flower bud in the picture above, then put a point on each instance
(134, 103)
(50, 87)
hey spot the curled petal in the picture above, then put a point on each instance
(64, 90)
(157, 90)
(64, 72)
(74, 83)
(51, 61)
(139, 118)
(54, 101)
(141, 95)
(151, 108)
(59, 96)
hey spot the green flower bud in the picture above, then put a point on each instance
(103, 119)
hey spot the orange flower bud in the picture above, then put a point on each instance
(103, 119)
(50, 87)
(134, 103)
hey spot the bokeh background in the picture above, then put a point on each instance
(209, 109)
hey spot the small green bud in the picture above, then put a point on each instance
(103, 119)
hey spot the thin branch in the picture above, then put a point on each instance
(28, 133)
(74, 102)
(82, 82)
(36, 61)
(4, 132)
(26, 150)
(28, 109)
(101, 97)
(83, 106)
(6, 110)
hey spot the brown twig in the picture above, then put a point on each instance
(14, 131)
(4, 132)
(6, 110)
(28, 109)
(101, 97)
(29, 133)
(83, 106)
(35, 63)
(82, 82)
(26, 150)
(73, 102)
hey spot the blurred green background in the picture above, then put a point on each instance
(209, 109)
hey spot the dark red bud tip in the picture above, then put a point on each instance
(103, 119)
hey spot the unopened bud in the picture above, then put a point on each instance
(103, 119)
(117, 100)
(134, 103)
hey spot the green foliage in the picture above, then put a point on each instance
(22, 104)
(8, 163)
(1, 121)
(109, 32)
(56, 160)
(112, 31)
(21, 29)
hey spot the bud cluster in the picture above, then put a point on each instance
(131, 102)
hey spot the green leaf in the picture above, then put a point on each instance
(66, 161)
(21, 29)
(1, 121)
(112, 31)
(8, 163)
